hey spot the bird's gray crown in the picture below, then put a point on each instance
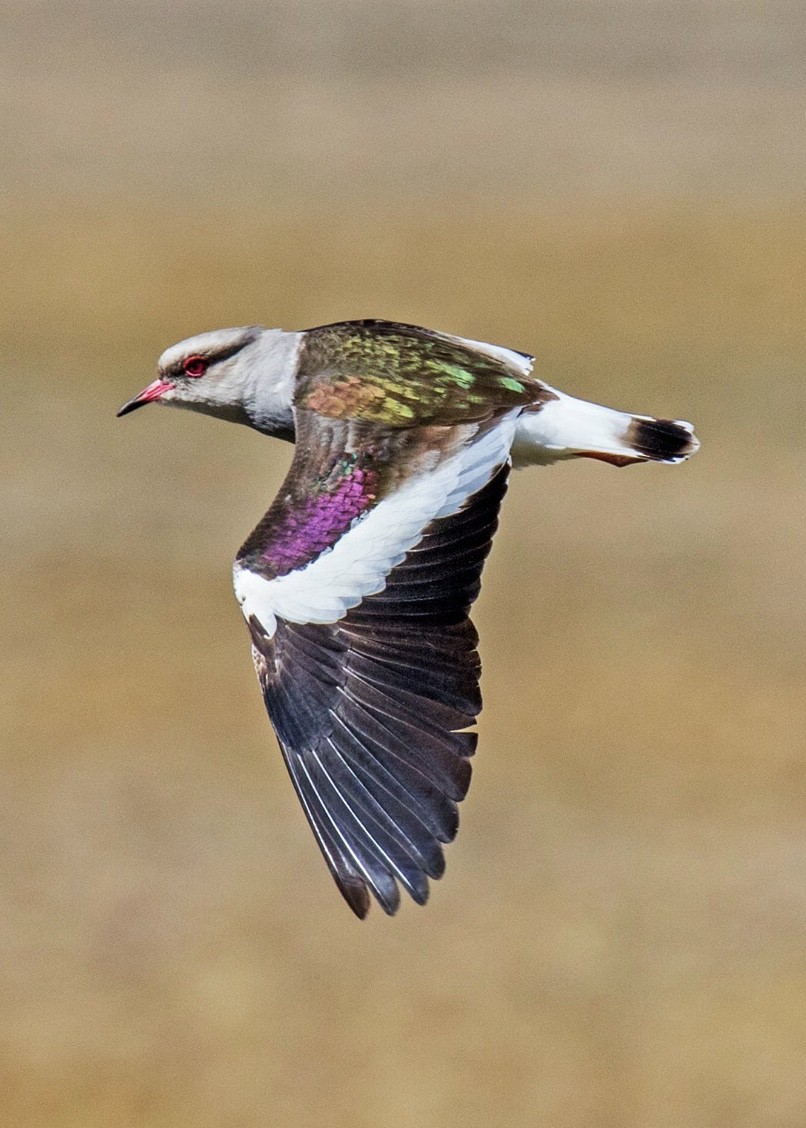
(247, 377)
(216, 345)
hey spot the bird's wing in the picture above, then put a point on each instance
(356, 587)
(404, 375)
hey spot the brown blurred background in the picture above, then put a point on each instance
(620, 940)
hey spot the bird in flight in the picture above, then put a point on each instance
(357, 584)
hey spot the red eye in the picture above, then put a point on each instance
(194, 366)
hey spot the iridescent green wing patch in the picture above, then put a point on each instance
(403, 376)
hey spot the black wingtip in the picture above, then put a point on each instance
(356, 895)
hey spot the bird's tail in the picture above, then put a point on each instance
(560, 426)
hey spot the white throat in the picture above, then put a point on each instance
(270, 373)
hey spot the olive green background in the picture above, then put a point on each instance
(620, 939)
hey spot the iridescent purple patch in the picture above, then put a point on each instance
(305, 531)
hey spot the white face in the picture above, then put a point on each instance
(207, 370)
(208, 373)
(245, 375)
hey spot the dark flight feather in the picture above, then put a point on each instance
(371, 711)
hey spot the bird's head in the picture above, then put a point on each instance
(243, 375)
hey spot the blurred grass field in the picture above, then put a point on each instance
(619, 939)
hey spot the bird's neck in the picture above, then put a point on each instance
(268, 393)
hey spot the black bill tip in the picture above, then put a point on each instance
(155, 390)
(130, 406)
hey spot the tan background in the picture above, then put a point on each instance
(620, 940)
